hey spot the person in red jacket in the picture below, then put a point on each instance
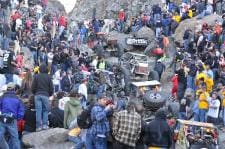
(121, 18)
(19, 60)
(44, 3)
(175, 86)
(62, 24)
(15, 16)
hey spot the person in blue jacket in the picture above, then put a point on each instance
(11, 111)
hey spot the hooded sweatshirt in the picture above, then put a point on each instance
(158, 133)
(42, 83)
(71, 111)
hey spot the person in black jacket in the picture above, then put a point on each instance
(66, 82)
(30, 117)
(42, 88)
(158, 132)
(160, 68)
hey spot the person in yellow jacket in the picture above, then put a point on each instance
(223, 106)
(176, 17)
(74, 136)
(203, 104)
(209, 84)
(36, 69)
(200, 76)
(190, 13)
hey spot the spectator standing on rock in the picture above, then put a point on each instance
(203, 103)
(160, 68)
(166, 44)
(185, 107)
(26, 85)
(214, 108)
(29, 116)
(182, 82)
(175, 86)
(223, 24)
(71, 110)
(82, 90)
(126, 127)
(62, 24)
(11, 110)
(121, 18)
(98, 133)
(9, 63)
(42, 88)
(66, 82)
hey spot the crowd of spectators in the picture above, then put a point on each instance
(58, 89)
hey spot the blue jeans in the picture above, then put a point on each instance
(79, 144)
(56, 88)
(83, 102)
(53, 69)
(42, 108)
(121, 26)
(61, 29)
(202, 115)
(35, 56)
(196, 117)
(156, 17)
(186, 44)
(224, 116)
(190, 82)
(101, 90)
(82, 38)
(38, 16)
(11, 129)
(94, 142)
(182, 115)
(157, 32)
(8, 78)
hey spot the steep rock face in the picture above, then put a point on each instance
(68, 4)
(28, 58)
(193, 24)
(146, 32)
(85, 9)
(55, 6)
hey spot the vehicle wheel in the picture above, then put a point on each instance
(153, 102)
(153, 75)
(201, 146)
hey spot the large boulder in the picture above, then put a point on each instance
(28, 58)
(84, 48)
(146, 32)
(52, 138)
(121, 39)
(68, 4)
(192, 24)
(55, 7)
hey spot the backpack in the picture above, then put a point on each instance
(84, 119)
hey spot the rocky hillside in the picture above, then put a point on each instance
(84, 9)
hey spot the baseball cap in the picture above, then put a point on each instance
(103, 96)
(11, 85)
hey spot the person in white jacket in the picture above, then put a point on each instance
(214, 107)
(82, 90)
